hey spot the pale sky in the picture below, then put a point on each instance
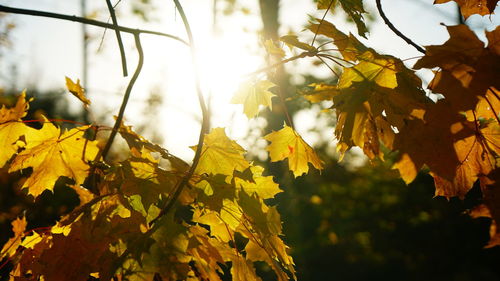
(46, 50)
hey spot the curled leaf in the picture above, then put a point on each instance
(77, 90)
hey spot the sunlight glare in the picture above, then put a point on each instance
(223, 67)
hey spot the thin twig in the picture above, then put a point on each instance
(204, 124)
(395, 30)
(118, 37)
(301, 55)
(322, 19)
(126, 97)
(37, 13)
(331, 69)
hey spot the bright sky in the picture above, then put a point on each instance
(46, 50)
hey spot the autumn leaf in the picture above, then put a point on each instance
(243, 270)
(52, 155)
(286, 143)
(220, 155)
(348, 46)
(293, 41)
(264, 186)
(77, 90)
(251, 95)
(12, 128)
(430, 141)
(218, 227)
(142, 176)
(353, 8)
(320, 92)
(372, 67)
(471, 7)
(468, 69)
(18, 228)
(489, 187)
(273, 50)
(478, 156)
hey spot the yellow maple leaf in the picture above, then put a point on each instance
(220, 155)
(52, 155)
(273, 50)
(264, 186)
(11, 128)
(243, 270)
(10, 248)
(286, 143)
(372, 67)
(251, 95)
(77, 90)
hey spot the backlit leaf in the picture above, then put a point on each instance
(348, 46)
(11, 128)
(77, 90)
(286, 143)
(264, 186)
(52, 155)
(273, 50)
(220, 155)
(353, 8)
(471, 7)
(293, 41)
(10, 248)
(252, 95)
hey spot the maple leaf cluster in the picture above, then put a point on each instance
(380, 106)
(155, 217)
(118, 230)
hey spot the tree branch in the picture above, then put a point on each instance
(322, 19)
(395, 30)
(126, 97)
(205, 124)
(118, 37)
(37, 13)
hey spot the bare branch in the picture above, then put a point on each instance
(37, 13)
(118, 37)
(395, 30)
(126, 97)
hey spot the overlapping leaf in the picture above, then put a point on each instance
(353, 8)
(375, 94)
(468, 70)
(53, 154)
(472, 7)
(18, 228)
(349, 46)
(221, 155)
(12, 128)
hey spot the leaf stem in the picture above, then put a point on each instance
(331, 69)
(118, 37)
(322, 19)
(395, 30)
(83, 20)
(301, 55)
